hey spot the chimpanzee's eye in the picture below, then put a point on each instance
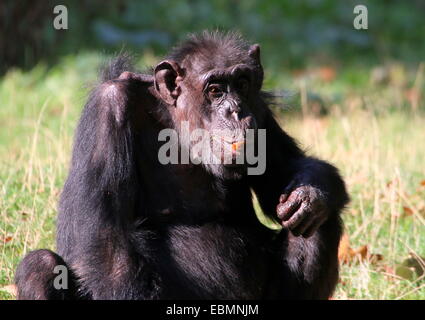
(215, 89)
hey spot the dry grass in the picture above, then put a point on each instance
(380, 153)
(380, 158)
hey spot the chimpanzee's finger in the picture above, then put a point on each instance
(287, 209)
(295, 220)
(283, 197)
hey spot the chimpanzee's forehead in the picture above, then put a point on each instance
(203, 64)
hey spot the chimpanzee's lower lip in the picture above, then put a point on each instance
(228, 140)
(235, 145)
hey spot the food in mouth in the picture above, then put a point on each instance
(235, 145)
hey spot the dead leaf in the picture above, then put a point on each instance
(375, 257)
(7, 239)
(362, 252)
(407, 211)
(346, 254)
(344, 250)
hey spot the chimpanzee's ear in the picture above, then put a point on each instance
(168, 74)
(254, 53)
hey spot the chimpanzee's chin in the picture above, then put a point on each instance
(228, 171)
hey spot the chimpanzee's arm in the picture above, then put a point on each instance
(288, 169)
(97, 208)
(306, 195)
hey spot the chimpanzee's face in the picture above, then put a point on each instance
(221, 106)
(212, 99)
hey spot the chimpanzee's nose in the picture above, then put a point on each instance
(234, 109)
(233, 106)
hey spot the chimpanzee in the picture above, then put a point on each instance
(132, 226)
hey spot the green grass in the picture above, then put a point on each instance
(372, 132)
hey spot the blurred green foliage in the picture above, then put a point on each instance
(292, 33)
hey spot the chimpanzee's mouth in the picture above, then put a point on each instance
(234, 144)
(229, 150)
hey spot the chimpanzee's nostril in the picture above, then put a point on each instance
(234, 107)
(234, 111)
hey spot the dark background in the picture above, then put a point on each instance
(292, 33)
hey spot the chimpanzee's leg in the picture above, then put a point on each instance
(43, 275)
(310, 265)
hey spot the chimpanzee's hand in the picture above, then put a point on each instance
(302, 210)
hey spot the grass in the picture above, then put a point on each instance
(373, 132)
